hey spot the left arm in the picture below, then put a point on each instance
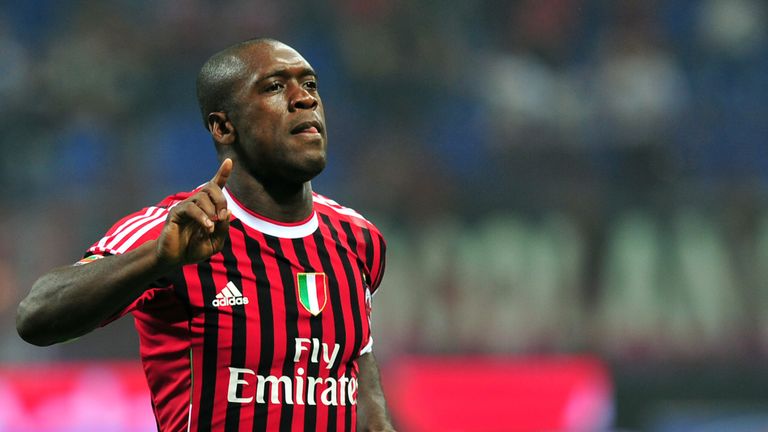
(372, 412)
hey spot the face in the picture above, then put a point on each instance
(278, 116)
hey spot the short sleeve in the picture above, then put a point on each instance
(127, 234)
(377, 259)
(131, 232)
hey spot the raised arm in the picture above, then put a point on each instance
(372, 412)
(71, 301)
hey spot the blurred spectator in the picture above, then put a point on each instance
(732, 29)
(639, 88)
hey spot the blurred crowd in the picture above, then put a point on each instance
(616, 147)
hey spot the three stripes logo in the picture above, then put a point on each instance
(229, 296)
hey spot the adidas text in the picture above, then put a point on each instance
(230, 295)
(230, 301)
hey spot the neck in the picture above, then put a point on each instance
(278, 201)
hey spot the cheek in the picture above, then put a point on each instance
(256, 135)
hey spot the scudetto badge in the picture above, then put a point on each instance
(312, 291)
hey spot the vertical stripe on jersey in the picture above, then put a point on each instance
(232, 423)
(275, 412)
(303, 331)
(266, 326)
(191, 289)
(316, 330)
(380, 263)
(368, 241)
(210, 347)
(238, 235)
(224, 345)
(181, 289)
(334, 295)
(374, 258)
(353, 281)
(291, 324)
(355, 299)
(353, 306)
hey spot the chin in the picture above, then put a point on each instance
(308, 170)
(315, 170)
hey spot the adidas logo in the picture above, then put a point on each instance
(229, 296)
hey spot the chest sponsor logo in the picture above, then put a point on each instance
(230, 295)
(312, 291)
(246, 386)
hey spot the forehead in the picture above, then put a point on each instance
(267, 58)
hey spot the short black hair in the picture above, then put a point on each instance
(217, 77)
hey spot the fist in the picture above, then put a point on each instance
(197, 227)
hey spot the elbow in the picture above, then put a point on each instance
(28, 325)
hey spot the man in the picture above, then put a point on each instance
(250, 294)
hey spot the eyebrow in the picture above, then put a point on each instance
(284, 73)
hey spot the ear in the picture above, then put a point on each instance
(221, 128)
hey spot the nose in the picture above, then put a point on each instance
(303, 99)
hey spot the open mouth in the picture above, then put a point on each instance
(310, 127)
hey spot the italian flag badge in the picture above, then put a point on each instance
(313, 291)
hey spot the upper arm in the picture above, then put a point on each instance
(126, 235)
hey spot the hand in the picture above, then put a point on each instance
(197, 227)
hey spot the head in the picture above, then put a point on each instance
(260, 102)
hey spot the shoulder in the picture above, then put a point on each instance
(335, 211)
(138, 227)
(371, 246)
(174, 199)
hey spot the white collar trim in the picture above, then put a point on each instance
(270, 228)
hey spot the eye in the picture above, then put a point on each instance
(274, 86)
(311, 85)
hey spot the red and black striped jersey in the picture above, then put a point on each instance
(265, 334)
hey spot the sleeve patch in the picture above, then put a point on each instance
(89, 259)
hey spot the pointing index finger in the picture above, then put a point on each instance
(222, 175)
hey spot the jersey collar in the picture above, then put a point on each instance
(268, 226)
